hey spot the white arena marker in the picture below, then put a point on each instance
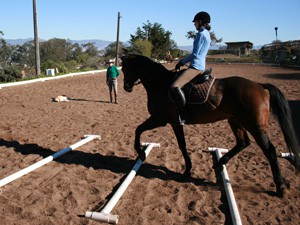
(104, 215)
(235, 216)
(44, 161)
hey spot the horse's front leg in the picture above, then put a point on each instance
(179, 133)
(149, 124)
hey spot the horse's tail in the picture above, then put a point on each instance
(281, 110)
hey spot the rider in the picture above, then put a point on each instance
(196, 59)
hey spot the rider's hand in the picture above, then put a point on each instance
(178, 65)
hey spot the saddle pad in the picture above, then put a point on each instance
(198, 93)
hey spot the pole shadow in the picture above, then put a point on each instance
(97, 161)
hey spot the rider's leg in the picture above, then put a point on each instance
(179, 98)
(178, 94)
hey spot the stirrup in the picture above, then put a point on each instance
(181, 121)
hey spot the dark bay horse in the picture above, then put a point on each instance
(245, 104)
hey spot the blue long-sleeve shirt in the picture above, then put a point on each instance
(200, 48)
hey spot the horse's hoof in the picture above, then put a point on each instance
(142, 155)
(281, 192)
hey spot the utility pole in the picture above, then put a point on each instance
(276, 28)
(36, 41)
(117, 46)
(147, 31)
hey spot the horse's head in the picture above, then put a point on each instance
(129, 68)
(141, 69)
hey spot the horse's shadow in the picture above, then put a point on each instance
(111, 163)
(290, 76)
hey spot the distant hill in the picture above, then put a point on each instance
(100, 44)
(18, 41)
(188, 48)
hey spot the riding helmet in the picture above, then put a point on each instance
(204, 16)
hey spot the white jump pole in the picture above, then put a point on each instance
(235, 216)
(104, 215)
(44, 161)
(287, 155)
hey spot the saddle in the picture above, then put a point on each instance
(198, 89)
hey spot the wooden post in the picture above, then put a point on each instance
(117, 45)
(36, 41)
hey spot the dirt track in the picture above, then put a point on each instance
(33, 127)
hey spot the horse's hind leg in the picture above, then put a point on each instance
(269, 151)
(178, 130)
(242, 141)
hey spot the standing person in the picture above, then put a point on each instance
(196, 59)
(112, 73)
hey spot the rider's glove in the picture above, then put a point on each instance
(179, 64)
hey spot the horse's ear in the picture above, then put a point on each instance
(125, 52)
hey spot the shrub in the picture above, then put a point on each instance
(9, 74)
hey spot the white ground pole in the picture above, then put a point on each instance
(104, 215)
(44, 161)
(235, 216)
(287, 155)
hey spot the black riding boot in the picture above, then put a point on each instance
(179, 98)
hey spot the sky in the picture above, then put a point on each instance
(231, 20)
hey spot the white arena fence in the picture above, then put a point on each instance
(50, 78)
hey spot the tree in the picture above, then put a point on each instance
(142, 47)
(157, 36)
(176, 53)
(77, 51)
(4, 50)
(276, 42)
(110, 50)
(26, 54)
(91, 49)
(55, 53)
(214, 39)
(57, 50)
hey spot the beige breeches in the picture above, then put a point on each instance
(185, 77)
